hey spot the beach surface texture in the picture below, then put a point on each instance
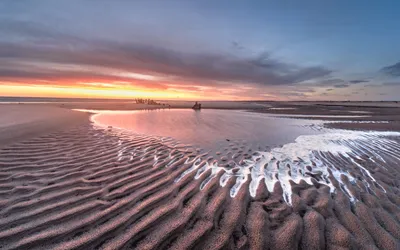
(66, 183)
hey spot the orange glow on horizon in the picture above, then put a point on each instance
(105, 90)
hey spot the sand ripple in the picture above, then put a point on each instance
(89, 188)
(324, 158)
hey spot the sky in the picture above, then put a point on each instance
(201, 50)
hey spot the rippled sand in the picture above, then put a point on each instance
(86, 187)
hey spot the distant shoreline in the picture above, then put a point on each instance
(16, 99)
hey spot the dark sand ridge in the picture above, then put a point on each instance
(68, 189)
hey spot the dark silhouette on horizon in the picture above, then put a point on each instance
(196, 106)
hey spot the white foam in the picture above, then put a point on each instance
(283, 108)
(306, 159)
(319, 116)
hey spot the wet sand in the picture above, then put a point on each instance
(69, 186)
(387, 114)
(18, 122)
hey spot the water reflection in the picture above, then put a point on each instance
(209, 129)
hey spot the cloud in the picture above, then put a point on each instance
(392, 70)
(68, 78)
(373, 85)
(358, 81)
(391, 83)
(237, 45)
(331, 82)
(48, 46)
(341, 85)
(295, 94)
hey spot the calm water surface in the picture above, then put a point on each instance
(209, 129)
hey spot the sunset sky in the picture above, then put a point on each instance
(203, 50)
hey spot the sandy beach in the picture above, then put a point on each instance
(67, 184)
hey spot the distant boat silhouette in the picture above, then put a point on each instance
(196, 106)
